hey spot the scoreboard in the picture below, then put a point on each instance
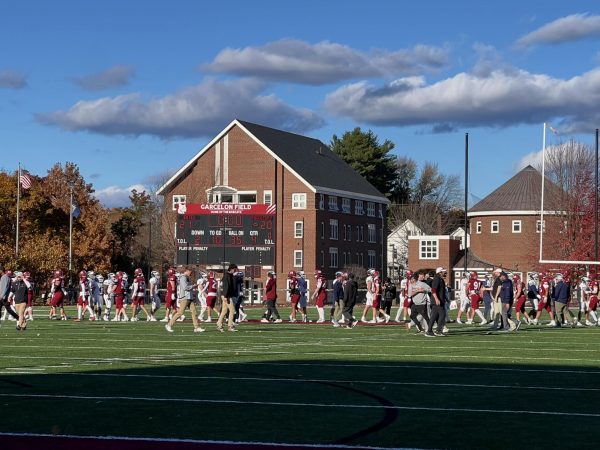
(208, 234)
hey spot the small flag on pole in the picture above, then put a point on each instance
(75, 211)
(25, 180)
(552, 129)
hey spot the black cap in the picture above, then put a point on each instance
(232, 266)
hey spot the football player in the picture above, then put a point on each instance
(154, 283)
(108, 295)
(171, 296)
(320, 295)
(30, 293)
(96, 294)
(519, 288)
(405, 302)
(118, 289)
(58, 292)
(465, 301)
(544, 303)
(593, 296)
(369, 301)
(303, 290)
(474, 292)
(138, 295)
(212, 288)
(83, 299)
(202, 286)
(294, 294)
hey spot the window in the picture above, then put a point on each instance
(345, 259)
(516, 226)
(538, 226)
(322, 230)
(371, 256)
(346, 205)
(362, 234)
(349, 232)
(333, 229)
(321, 201)
(178, 200)
(357, 233)
(370, 209)
(358, 208)
(333, 257)
(333, 203)
(371, 233)
(495, 226)
(428, 249)
(349, 258)
(246, 197)
(345, 232)
(298, 229)
(478, 227)
(298, 201)
(268, 197)
(322, 258)
(297, 258)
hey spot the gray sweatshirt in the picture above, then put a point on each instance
(419, 298)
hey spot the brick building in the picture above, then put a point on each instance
(504, 231)
(328, 216)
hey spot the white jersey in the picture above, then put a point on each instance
(403, 288)
(202, 284)
(463, 289)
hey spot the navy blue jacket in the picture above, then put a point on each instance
(506, 292)
(561, 292)
(338, 291)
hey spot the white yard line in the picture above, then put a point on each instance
(299, 404)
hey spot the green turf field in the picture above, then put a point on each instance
(295, 383)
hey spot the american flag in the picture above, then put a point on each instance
(25, 180)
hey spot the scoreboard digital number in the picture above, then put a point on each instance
(208, 234)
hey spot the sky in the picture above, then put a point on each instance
(131, 90)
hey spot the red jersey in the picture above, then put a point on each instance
(211, 289)
(57, 284)
(474, 286)
(293, 283)
(171, 283)
(141, 286)
(377, 287)
(271, 289)
(118, 288)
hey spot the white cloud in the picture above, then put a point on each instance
(196, 111)
(324, 62)
(496, 98)
(533, 159)
(565, 29)
(116, 196)
(10, 79)
(113, 77)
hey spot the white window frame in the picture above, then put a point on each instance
(299, 200)
(429, 248)
(177, 200)
(298, 258)
(478, 227)
(332, 203)
(372, 257)
(237, 199)
(538, 226)
(370, 209)
(497, 224)
(333, 229)
(515, 224)
(359, 209)
(268, 197)
(298, 229)
(333, 257)
(371, 233)
(346, 205)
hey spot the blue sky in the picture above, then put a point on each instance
(130, 90)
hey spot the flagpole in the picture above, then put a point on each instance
(70, 230)
(543, 177)
(18, 208)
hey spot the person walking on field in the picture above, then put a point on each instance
(350, 292)
(271, 298)
(185, 295)
(228, 293)
(438, 309)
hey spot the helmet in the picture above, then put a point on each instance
(408, 274)
(291, 274)
(125, 276)
(271, 273)
(99, 278)
(58, 273)
(119, 275)
(302, 274)
(203, 275)
(370, 271)
(112, 277)
(585, 279)
(91, 274)
(82, 274)
(26, 276)
(155, 274)
(338, 274)
(318, 273)
(171, 272)
(211, 274)
(138, 272)
(516, 277)
(375, 273)
(473, 275)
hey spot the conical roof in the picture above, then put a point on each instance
(523, 192)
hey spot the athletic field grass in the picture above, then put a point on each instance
(377, 386)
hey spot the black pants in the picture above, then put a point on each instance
(387, 306)
(438, 314)
(347, 312)
(272, 312)
(5, 304)
(415, 310)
